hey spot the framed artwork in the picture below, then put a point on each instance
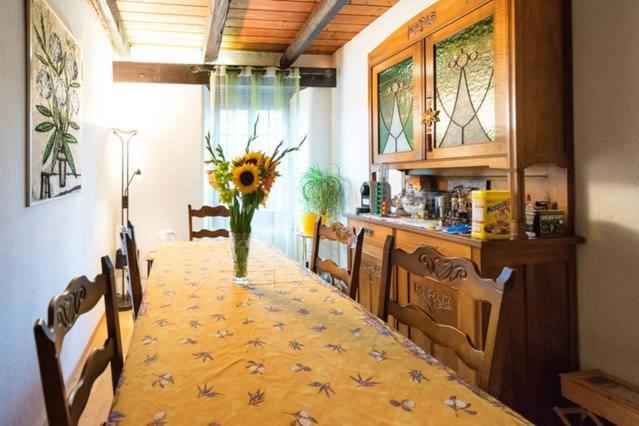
(54, 83)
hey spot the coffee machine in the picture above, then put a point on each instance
(365, 199)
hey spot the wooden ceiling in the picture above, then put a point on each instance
(255, 25)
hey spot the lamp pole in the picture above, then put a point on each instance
(124, 298)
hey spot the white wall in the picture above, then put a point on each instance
(168, 150)
(43, 247)
(350, 141)
(606, 97)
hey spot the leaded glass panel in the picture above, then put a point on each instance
(395, 116)
(464, 86)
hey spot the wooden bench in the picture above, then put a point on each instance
(599, 395)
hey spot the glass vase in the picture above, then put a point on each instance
(240, 245)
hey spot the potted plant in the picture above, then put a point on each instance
(322, 194)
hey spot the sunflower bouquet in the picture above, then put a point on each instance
(244, 184)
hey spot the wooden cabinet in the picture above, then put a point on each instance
(397, 96)
(497, 72)
(542, 340)
(466, 85)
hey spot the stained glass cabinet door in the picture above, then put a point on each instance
(396, 98)
(464, 85)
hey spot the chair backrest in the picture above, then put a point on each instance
(130, 250)
(461, 275)
(80, 296)
(207, 211)
(345, 235)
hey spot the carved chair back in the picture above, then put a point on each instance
(344, 235)
(129, 248)
(207, 211)
(472, 293)
(80, 296)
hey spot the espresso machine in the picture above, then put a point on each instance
(365, 199)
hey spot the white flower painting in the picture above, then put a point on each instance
(55, 83)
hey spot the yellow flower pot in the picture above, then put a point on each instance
(308, 223)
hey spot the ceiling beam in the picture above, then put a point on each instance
(322, 15)
(144, 72)
(218, 10)
(109, 14)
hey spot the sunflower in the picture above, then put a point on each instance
(254, 157)
(246, 177)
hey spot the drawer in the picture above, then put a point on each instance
(409, 241)
(375, 234)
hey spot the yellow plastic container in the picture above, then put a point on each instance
(491, 215)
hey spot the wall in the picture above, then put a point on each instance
(606, 98)
(43, 247)
(168, 150)
(350, 141)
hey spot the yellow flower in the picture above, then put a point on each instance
(246, 177)
(254, 157)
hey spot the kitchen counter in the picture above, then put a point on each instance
(421, 226)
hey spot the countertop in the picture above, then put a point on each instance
(420, 226)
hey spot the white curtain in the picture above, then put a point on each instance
(238, 96)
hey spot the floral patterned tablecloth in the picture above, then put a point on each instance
(288, 349)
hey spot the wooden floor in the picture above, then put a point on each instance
(99, 405)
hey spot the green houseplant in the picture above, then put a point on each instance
(322, 194)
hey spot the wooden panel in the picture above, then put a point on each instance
(542, 71)
(547, 306)
(607, 396)
(369, 276)
(170, 17)
(409, 241)
(143, 72)
(375, 234)
(164, 9)
(160, 18)
(163, 26)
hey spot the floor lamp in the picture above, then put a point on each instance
(124, 298)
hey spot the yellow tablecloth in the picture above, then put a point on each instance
(286, 350)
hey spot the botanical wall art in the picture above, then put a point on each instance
(54, 134)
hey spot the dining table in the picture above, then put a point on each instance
(286, 349)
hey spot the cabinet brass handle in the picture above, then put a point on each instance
(369, 232)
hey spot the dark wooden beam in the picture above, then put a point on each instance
(109, 14)
(218, 9)
(144, 72)
(322, 15)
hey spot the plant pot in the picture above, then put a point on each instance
(240, 245)
(308, 223)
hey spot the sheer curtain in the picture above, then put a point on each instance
(238, 96)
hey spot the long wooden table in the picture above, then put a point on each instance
(288, 349)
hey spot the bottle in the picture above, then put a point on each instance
(529, 204)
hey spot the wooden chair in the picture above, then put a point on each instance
(344, 235)
(472, 293)
(130, 250)
(80, 296)
(207, 211)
